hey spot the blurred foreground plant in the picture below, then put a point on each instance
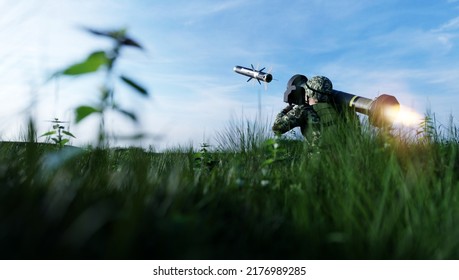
(57, 133)
(104, 60)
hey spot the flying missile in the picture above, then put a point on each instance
(259, 75)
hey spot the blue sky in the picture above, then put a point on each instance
(404, 48)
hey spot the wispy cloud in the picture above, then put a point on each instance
(190, 12)
(451, 25)
(212, 7)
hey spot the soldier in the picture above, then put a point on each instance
(317, 118)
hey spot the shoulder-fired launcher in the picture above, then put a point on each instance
(380, 111)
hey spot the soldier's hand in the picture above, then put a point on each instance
(287, 109)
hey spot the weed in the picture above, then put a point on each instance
(204, 158)
(105, 60)
(57, 133)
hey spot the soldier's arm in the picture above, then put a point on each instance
(289, 118)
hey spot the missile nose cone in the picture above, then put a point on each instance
(237, 68)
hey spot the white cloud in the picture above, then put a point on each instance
(447, 33)
(451, 25)
(189, 12)
(220, 7)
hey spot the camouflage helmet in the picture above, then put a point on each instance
(318, 87)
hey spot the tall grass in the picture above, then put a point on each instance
(243, 134)
(364, 196)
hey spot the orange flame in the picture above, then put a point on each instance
(404, 116)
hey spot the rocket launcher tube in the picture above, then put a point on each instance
(381, 110)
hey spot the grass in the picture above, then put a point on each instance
(365, 196)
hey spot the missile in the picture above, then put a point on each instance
(259, 75)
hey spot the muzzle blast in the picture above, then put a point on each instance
(380, 111)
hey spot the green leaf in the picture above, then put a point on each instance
(91, 64)
(131, 42)
(48, 133)
(118, 35)
(128, 114)
(131, 137)
(268, 162)
(68, 133)
(84, 111)
(114, 34)
(134, 85)
(197, 155)
(64, 141)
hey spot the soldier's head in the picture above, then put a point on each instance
(318, 88)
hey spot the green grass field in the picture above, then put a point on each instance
(365, 196)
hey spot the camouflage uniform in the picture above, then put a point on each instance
(316, 121)
(302, 116)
